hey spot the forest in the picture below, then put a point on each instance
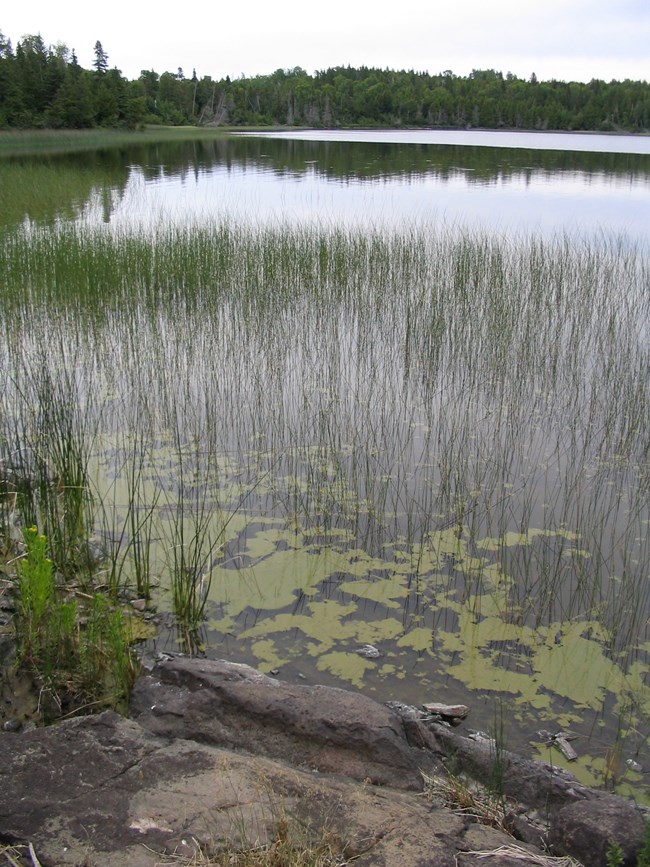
(44, 86)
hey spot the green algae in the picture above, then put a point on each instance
(417, 639)
(388, 592)
(269, 657)
(487, 651)
(577, 668)
(349, 667)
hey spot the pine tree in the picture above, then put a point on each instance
(101, 58)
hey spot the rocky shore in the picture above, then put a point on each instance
(218, 754)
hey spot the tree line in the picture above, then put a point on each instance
(44, 86)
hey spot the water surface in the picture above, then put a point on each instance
(546, 141)
(382, 179)
(409, 380)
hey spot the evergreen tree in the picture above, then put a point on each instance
(42, 86)
(101, 58)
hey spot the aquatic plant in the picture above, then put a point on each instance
(434, 439)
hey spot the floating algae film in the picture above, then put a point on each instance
(410, 461)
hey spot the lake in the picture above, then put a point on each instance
(382, 177)
(350, 389)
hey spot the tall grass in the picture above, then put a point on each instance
(48, 450)
(127, 525)
(28, 142)
(487, 361)
(468, 411)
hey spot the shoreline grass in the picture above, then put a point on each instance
(40, 142)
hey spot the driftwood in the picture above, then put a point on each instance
(561, 741)
(565, 748)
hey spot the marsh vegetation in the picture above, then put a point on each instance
(301, 439)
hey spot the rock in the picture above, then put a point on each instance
(101, 790)
(535, 784)
(222, 754)
(586, 829)
(95, 551)
(7, 595)
(529, 827)
(454, 714)
(331, 730)
(479, 840)
(369, 651)
(417, 733)
(447, 710)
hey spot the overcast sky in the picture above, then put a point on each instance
(563, 39)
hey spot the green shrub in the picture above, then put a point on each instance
(614, 855)
(79, 656)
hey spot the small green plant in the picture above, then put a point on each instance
(106, 667)
(78, 656)
(643, 855)
(614, 855)
(496, 781)
(36, 590)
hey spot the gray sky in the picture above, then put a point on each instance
(564, 39)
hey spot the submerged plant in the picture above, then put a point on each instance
(128, 527)
(194, 541)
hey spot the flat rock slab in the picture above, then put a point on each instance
(220, 754)
(101, 790)
(322, 728)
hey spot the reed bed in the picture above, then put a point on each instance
(48, 141)
(466, 410)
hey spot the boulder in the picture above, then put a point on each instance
(535, 784)
(101, 790)
(320, 728)
(582, 822)
(221, 755)
(586, 829)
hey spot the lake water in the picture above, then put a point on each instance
(542, 141)
(508, 182)
(430, 433)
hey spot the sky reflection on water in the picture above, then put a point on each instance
(585, 142)
(271, 188)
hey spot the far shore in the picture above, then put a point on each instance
(31, 142)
